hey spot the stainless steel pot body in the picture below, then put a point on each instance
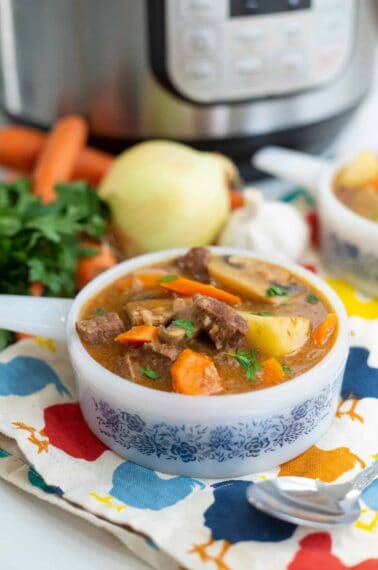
(96, 57)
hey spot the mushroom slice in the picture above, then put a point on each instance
(253, 278)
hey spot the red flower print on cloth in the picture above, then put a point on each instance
(315, 552)
(66, 429)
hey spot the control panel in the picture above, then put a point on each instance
(233, 50)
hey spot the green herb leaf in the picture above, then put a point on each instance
(187, 325)
(167, 278)
(286, 369)
(276, 291)
(247, 360)
(99, 312)
(42, 242)
(263, 313)
(312, 299)
(149, 373)
(6, 338)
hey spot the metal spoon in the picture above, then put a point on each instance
(310, 502)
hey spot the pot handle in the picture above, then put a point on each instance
(41, 316)
(297, 167)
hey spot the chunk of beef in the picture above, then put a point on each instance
(165, 350)
(150, 312)
(100, 330)
(195, 263)
(224, 326)
(171, 334)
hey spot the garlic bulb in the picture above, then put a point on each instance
(269, 228)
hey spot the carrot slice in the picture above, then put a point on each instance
(89, 267)
(195, 374)
(138, 335)
(236, 199)
(148, 279)
(272, 372)
(323, 331)
(190, 287)
(58, 157)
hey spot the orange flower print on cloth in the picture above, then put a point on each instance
(326, 465)
(37, 438)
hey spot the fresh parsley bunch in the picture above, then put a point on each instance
(42, 242)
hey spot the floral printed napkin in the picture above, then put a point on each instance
(179, 520)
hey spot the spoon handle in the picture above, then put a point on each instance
(366, 477)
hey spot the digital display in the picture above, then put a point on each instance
(258, 7)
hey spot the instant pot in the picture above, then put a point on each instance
(230, 75)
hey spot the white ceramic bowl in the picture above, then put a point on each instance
(207, 436)
(349, 242)
(199, 436)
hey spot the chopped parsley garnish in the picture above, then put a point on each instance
(187, 325)
(286, 369)
(149, 373)
(247, 360)
(312, 299)
(166, 278)
(99, 312)
(43, 242)
(276, 291)
(263, 313)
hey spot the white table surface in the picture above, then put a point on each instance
(38, 536)
(35, 535)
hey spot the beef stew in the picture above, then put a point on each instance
(206, 324)
(356, 185)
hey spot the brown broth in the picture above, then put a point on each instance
(114, 296)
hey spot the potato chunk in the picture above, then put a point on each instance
(252, 278)
(277, 335)
(362, 170)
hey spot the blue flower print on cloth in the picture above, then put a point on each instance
(142, 488)
(232, 518)
(25, 375)
(360, 380)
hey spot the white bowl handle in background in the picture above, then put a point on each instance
(40, 316)
(297, 167)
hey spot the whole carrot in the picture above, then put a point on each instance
(91, 165)
(89, 267)
(21, 146)
(57, 160)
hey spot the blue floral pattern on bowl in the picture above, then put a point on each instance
(197, 443)
(347, 258)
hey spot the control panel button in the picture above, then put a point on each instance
(200, 71)
(200, 9)
(250, 67)
(248, 36)
(199, 42)
(292, 63)
(292, 32)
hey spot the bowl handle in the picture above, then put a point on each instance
(40, 316)
(297, 167)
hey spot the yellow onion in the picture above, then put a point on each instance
(164, 194)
